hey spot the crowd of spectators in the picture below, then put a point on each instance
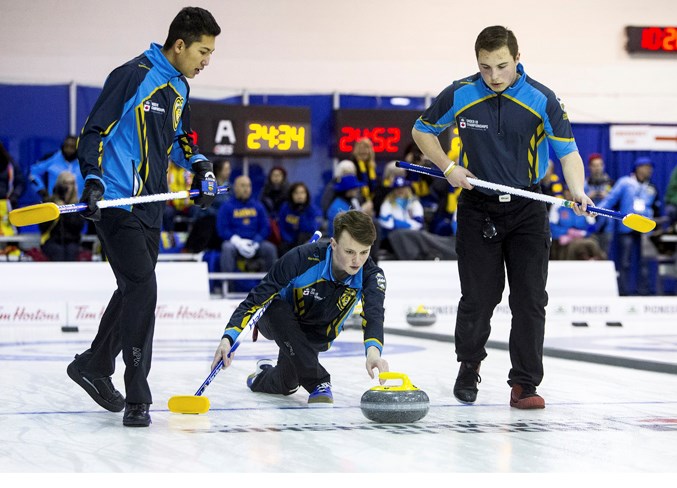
(248, 228)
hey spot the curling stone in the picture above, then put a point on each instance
(395, 404)
(421, 316)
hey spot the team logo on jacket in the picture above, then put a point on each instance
(151, 106)
(565, 116)
(381, 282)
(312, 292)
(177, 111)
(346, 298)
(464, 123)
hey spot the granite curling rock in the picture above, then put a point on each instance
(395, 404)
(421, 316)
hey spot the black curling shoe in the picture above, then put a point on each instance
(465, 388)
(101, 390)
(136, 415)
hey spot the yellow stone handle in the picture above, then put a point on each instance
(392, 375)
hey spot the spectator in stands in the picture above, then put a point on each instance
(636, 194)
(585, 249)
(178, 179)
(45, 172)
(401, 222)
(598, 183)
(566, 227)
(551, 184)
(275, 191)
(202, 234)
(11, 187)
(346, 192)
(343, 168)
(444, 220)
(390, 172)
(243, 224)
(598, 186)
(61, 237)
(298, 219)
(364, 158)
(11, 179)
(401, 209)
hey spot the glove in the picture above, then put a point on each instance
(92, 193)
(239, 244)
(249, 248)
(205, 181)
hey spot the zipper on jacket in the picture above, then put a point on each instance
(498, 97)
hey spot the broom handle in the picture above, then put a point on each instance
(514, 191)
(121, 202)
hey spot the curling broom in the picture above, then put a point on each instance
(44, 212)
(633, 221)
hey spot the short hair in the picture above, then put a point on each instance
(190, 24)
(494, 38)
(356, 223)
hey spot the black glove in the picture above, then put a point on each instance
(92, 193)
(205, 181)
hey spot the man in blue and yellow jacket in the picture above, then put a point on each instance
(309, 293)
(140, 119)
(506, 121)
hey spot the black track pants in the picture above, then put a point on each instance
(298, 360)
(129, 320)
(521, 248)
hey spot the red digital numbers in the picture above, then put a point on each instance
(659, 39)
(385, 139)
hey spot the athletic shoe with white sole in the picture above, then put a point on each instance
(261, 366)
(321, 396)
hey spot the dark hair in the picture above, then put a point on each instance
(190, 25)
(358, 224)
(494, 38)
(293, 188)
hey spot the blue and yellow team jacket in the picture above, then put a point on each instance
(140, 119)
(303, 278)
(504, 136)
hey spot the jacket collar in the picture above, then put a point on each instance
(160, 62)
(515, 86)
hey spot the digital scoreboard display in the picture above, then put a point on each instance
(251, 130)
(388, 130)
(660, 40)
